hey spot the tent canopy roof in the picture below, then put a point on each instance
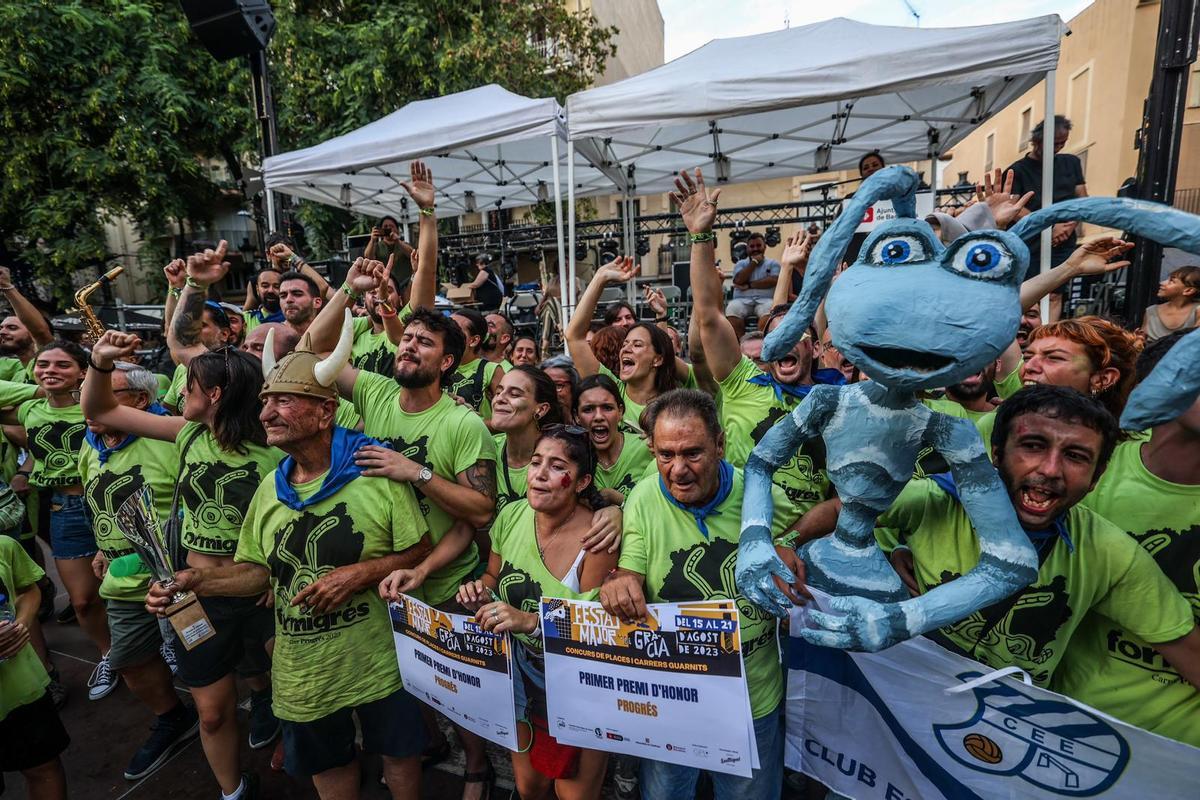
(810, 99)
(487, 140)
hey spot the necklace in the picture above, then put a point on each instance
(537, 538)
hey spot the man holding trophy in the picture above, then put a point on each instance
(322, 536)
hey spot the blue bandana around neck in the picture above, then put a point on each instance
(104, 451)
(262, 317)
(824, 376)
(701, 512)
(342, 469)
(1057, 529)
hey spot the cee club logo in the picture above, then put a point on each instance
(1052, 744)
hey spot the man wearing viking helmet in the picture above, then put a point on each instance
(322, 536)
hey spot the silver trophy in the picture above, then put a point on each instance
(138, 520)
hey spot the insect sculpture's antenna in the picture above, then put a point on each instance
(895, 183)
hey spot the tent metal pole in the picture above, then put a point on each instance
(567, 292)
(558, 217)
(1047, 181)
(631, 287)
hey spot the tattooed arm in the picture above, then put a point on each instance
(470, 497)
(183, 334)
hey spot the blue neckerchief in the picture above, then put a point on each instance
(1058, 529)
(827, 377)
(261, 317)
(342, 469)
(97, 442)
(709, 508)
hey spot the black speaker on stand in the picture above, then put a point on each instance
(233, 29)
(230, 28)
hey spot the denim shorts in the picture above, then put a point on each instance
(70, 527)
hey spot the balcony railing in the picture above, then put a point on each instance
(1187, 200)
(554, 51)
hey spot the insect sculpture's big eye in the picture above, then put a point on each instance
(898, 250)
(983, 259)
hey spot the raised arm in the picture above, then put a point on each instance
(31, 318)
(100, 404)
(362, 277)
(176, 274)
(424, 280)
(699, 209)
(283, 258)
(794, 257)
(620, 270)
(203, 270)
(470, 497)
(1090, 258)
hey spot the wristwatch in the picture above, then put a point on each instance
(423, 477)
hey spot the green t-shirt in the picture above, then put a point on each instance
(1010, 384)
(510, 481)
(523, 578)
(55, 436)
(663, 542)
(175, 391)
(634, 463)
(748, 411)
(372, 351)
(470, 382)
(106, 487)
(217, 487)
(953, 408)
(985, 425)
(13, 393)
(23, 679)
(1107, 574)
(1109, 667)
(446, 437)
(345, 657)
(347, 415)
(11, 369)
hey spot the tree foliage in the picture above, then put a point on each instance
(105, 108)
(109, 107)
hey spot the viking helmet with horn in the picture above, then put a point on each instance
(304, 372)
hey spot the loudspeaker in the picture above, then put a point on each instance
(230, 28)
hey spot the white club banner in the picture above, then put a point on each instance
(461, 670)
(917, 721)
(670, 689)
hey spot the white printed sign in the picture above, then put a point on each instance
(670, 689)
(884, 211)
(462, 671)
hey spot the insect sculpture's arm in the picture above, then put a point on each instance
(1169, 389)
(758, 563)
(1007, 561)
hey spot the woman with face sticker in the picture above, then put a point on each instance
(525, 403)
(538, 550)
(622, 458)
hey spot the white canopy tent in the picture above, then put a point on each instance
(487, 148)
(808, 100)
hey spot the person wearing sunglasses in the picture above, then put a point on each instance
(223, 457)
(538, 549)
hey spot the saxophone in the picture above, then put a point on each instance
(95, 328)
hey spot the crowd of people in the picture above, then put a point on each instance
(324, 449)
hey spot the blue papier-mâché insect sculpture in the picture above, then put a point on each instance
(912, 315)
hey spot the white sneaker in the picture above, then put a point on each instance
(168, 655)
(103, 680)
